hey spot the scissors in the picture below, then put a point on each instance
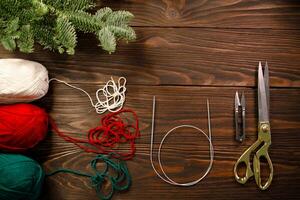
(240, 110)
(261, 146)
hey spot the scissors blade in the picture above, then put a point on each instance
(237, 101)
(263, 111)
(243, 101)
(267, 87)
(243, 104)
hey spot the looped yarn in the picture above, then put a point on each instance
(111, 97)
(119, 182)
(114, 95)
(21, 177)
(22, 81)
(97, 180)
(22, 126)
(106, 138)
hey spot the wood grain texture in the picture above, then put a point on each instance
(280, 14)
(211, 57)
(186, 154)
(186, 51)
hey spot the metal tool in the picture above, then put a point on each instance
(164, 175)
(261, 146)
(240, 117)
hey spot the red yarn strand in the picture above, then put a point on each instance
(111, 133)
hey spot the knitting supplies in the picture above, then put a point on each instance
(22, 81)
(22, 126)
(120, 180)
(240, 117)
(113, 132)
(165, 177)
(25, 81)
(21, 178)
(111, 97)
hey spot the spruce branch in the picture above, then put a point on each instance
(10, 34)
(65, 35)
(26, 39)
(107, 39)
(53, 24)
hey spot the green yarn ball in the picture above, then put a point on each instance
(21, 178)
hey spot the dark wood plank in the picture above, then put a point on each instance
(217, 57)
(186, 51)
(186, 158)
(279, 14)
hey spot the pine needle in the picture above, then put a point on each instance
(54, 25)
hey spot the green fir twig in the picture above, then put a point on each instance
(54, 24)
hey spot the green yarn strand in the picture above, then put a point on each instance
(68, 171)
(120, 182)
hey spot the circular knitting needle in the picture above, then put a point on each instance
(166, 178)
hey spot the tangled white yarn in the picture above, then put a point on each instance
(110, 97)
(114, 95)
(22, 81)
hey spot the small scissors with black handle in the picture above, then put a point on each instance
(261, 146)
(240, 117)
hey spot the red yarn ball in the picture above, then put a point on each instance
(22, 126)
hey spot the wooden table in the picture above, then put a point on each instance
(186, 51)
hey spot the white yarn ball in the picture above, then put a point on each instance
(22, 81)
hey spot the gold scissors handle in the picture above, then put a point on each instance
(262, 152)
(265, 139)
(245, 158)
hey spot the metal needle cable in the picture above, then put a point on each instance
(166, 178)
